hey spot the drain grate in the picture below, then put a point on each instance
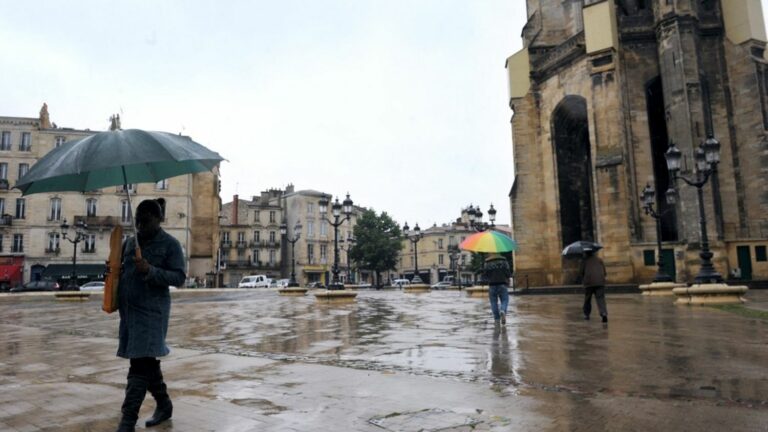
(424, 421)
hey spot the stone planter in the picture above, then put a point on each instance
(660, 288)
(293, 291)
(708, 294)
(477, 291)
(72, 296)
(416, 288)
(335, 296)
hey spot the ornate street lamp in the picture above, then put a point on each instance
(476, 218)
(336, 210)
(293, 239)
(706, 157)
(351, 242)
(414, 238)
(453, 254)
(81, 230)
(648, 198)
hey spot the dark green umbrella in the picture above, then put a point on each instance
(114, 158)
(117, 157)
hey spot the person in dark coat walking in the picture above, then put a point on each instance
(144, 303)
(497, 273)
(593, 279)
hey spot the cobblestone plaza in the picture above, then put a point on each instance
(255, 361)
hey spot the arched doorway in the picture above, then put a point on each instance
(574, 169)
(657, 127)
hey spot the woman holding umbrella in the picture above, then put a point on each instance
(145, 305)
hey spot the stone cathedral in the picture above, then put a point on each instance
(598, 93)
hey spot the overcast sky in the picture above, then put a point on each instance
(403, 103)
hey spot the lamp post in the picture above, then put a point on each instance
(351, 242)
(293, 239)
(338, 220)
(453, 254)
(414, 238)
(648, 198)
(81, 230)
(706, 157)
(476, 218)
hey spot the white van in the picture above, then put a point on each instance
(400, 283)
(254, 281)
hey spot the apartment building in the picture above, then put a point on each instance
(32, 243)
(251, 241)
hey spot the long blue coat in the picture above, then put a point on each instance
(143, 300)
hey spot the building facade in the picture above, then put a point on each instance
(598, 93)
(251, 241)
(315, 248)
(32, 245)
(438, 253)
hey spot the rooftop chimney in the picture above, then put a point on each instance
(235, 208)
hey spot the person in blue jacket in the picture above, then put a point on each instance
(144, 303)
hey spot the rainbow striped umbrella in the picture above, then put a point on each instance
(488, 241)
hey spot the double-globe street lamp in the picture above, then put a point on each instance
(336, 209)
(293, 239)
(706, 158)
(81, 231)
(648, 198)
(414, 238)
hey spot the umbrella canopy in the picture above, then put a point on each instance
(578, 248)
(488, 241)
(116, 158)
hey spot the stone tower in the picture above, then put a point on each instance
(598, 92)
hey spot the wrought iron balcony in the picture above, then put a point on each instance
(226, 244)
(97, 221)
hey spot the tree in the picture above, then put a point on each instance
(378, 243)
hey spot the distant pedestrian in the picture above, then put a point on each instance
(497, 273)
(144, 303)
(593, 278)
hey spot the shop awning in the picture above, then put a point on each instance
(84, 271)
(10, 272)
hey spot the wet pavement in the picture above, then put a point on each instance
(255, 361)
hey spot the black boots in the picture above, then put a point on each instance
(135, 391)
(158, 389)
(144, 375)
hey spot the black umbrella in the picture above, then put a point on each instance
(578, 248)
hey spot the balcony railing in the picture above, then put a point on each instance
(6, 220)
(54, 251)
(97, 221)
(242, 244)
(265, 244)
(17, 249)
(4, 184)
(226, 244)
(88, 250)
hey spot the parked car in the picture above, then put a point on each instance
(42, 285)
(400, 283)
(441, 285)
(283, 283)
(254, 281)
(315, 285)
(93, 286)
